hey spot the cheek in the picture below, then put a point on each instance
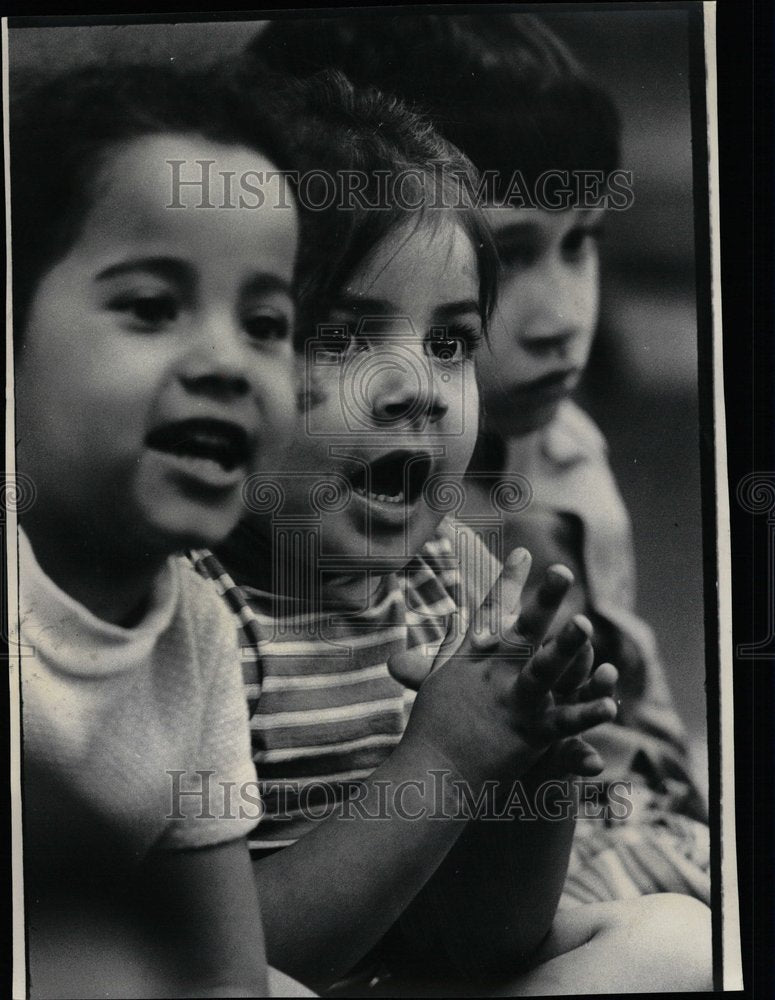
(48, 351)
(56, 398)
(515, 296)
(76, 360)
(592, 300)
(304, 453)
(499, 349)
(322, 403)
(472, 416)
(584, 288)
(280, 391)
(467, 419)
(503, 331)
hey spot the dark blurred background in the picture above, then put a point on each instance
(642, 382)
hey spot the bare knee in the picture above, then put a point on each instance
(668, 933)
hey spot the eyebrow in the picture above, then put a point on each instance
(172, 269)
(263, 282)
(451, 309)
(525, 228)
(164, 267)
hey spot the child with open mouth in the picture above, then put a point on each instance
(153, 371)
(507, 91)
(352, 589)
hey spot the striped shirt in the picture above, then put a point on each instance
(324, 709)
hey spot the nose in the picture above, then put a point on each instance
(218, 362)
(399, 389)
(553, 312)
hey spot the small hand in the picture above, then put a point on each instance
(575, 755)
(566, 689)
(544, 714)
(560, 676)
(491, 710)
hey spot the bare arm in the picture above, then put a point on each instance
(206, 920)
(332, 896)
(492, 901)
(328, 899)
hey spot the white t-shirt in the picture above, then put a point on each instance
(120, 720)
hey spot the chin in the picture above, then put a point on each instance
(182, 528)
(396, 546)
(512, 420)
(537, 421)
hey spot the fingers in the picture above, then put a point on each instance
(602, 683)
(499, 607)
(575, 756)
(576, 675)
(456, 631)
(536, 617)
(413, 666)
(543, 670)
(570, 720)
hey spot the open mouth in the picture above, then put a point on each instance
(397, 478)
(225, 444)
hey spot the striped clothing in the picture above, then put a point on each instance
(325, 710)
(659, 851)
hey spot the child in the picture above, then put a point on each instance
(153, 370)
(505, 90)
(363, 784)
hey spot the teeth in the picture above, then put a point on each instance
(212, 440)
(381, 497)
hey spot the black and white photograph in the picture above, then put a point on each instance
(367, 520)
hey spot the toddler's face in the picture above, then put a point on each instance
(391, 398)
(546, 314)
(156, 366)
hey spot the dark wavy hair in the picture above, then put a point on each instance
(501, 87)
(333, 130)
(61, 129)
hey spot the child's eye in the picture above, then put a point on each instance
(147, 312)
(517, 254)
(339, 344)
(333, 347)
(267, 326)
(454, 345)
(447, 350)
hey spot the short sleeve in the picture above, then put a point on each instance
(218, 798)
